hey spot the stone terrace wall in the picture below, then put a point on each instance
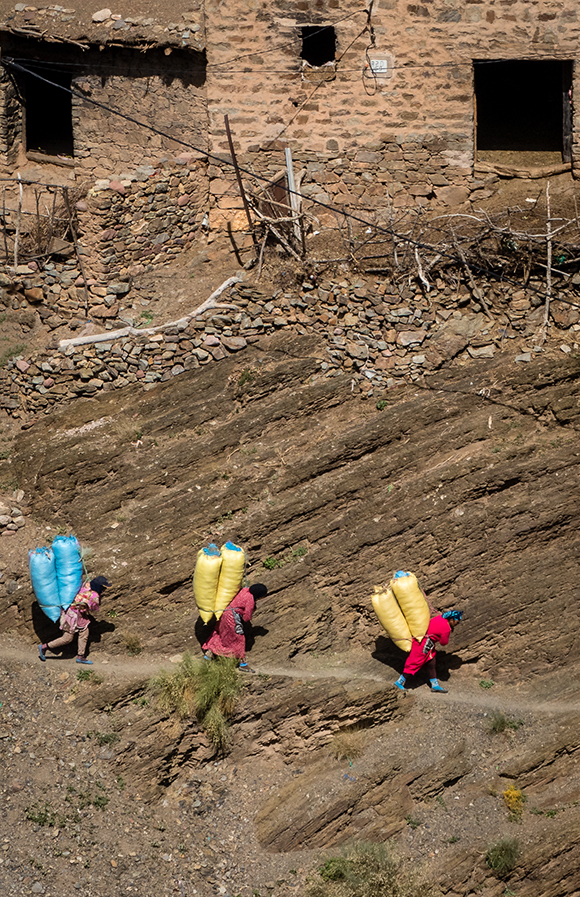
(415, 123)
(380, 336)
(143, 219)
(126, 227)
(370, 182)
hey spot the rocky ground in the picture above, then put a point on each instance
(76, 817)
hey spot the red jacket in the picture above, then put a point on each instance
(438, 631)
(228, 639)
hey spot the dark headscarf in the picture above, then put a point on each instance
(99, 584)
(259, 590)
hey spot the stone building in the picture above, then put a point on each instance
(382, 103)
(418, 99)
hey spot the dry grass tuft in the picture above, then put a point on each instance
(348, 744)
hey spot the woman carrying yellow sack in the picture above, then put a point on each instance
(228, 638)
(422, 653)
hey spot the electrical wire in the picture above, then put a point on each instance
(9, 64)
(82, 67)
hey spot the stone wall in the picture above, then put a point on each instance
(370, 182)
(379, 335)
(159, 95)
(144, 218)
(390, 122)
(165, 93)
(125, 227)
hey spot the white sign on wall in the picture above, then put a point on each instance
(379, 66)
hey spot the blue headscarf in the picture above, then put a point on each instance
(454, 615)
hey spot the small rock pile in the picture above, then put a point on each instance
(11, 517)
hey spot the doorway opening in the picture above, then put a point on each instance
(48, 115)
(523, 111)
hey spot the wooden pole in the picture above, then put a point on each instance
(110, 335)
(548, 268)
(18, 217)
(294, 198)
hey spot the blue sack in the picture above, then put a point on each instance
(69, 568)
(44, 582)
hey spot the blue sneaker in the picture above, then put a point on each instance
(400, 685)
(41, 653)
(439, 688)
(244, 668)
(84, 660)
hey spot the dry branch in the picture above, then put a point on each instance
(139, 331)
(507, 171)
(476, 292)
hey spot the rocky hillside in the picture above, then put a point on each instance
(467, 479)
(467, 476)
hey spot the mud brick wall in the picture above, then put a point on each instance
(412, 125)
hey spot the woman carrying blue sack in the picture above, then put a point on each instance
(75, 620)
(422, 653)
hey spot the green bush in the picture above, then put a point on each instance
(217, 685)
(499, 722)
(205, 690)
(503, 856)
(366, 870)
(103, 738)
(334, 869)
(44, 815)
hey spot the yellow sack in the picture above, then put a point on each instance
(205, 580)
(412, 602)
(391, 618)
(231, 576)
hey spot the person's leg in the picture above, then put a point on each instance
(409, 669)
(82, 648)
(65, 639)
(431, 669)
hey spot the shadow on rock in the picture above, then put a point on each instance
(202, 631)
(251, 633)
(99, 628)
(387, 653)
(44, 629)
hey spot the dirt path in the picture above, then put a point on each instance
(526, 697)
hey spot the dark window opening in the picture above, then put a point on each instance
(523, 106)
(318, 44)
(48, 116)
